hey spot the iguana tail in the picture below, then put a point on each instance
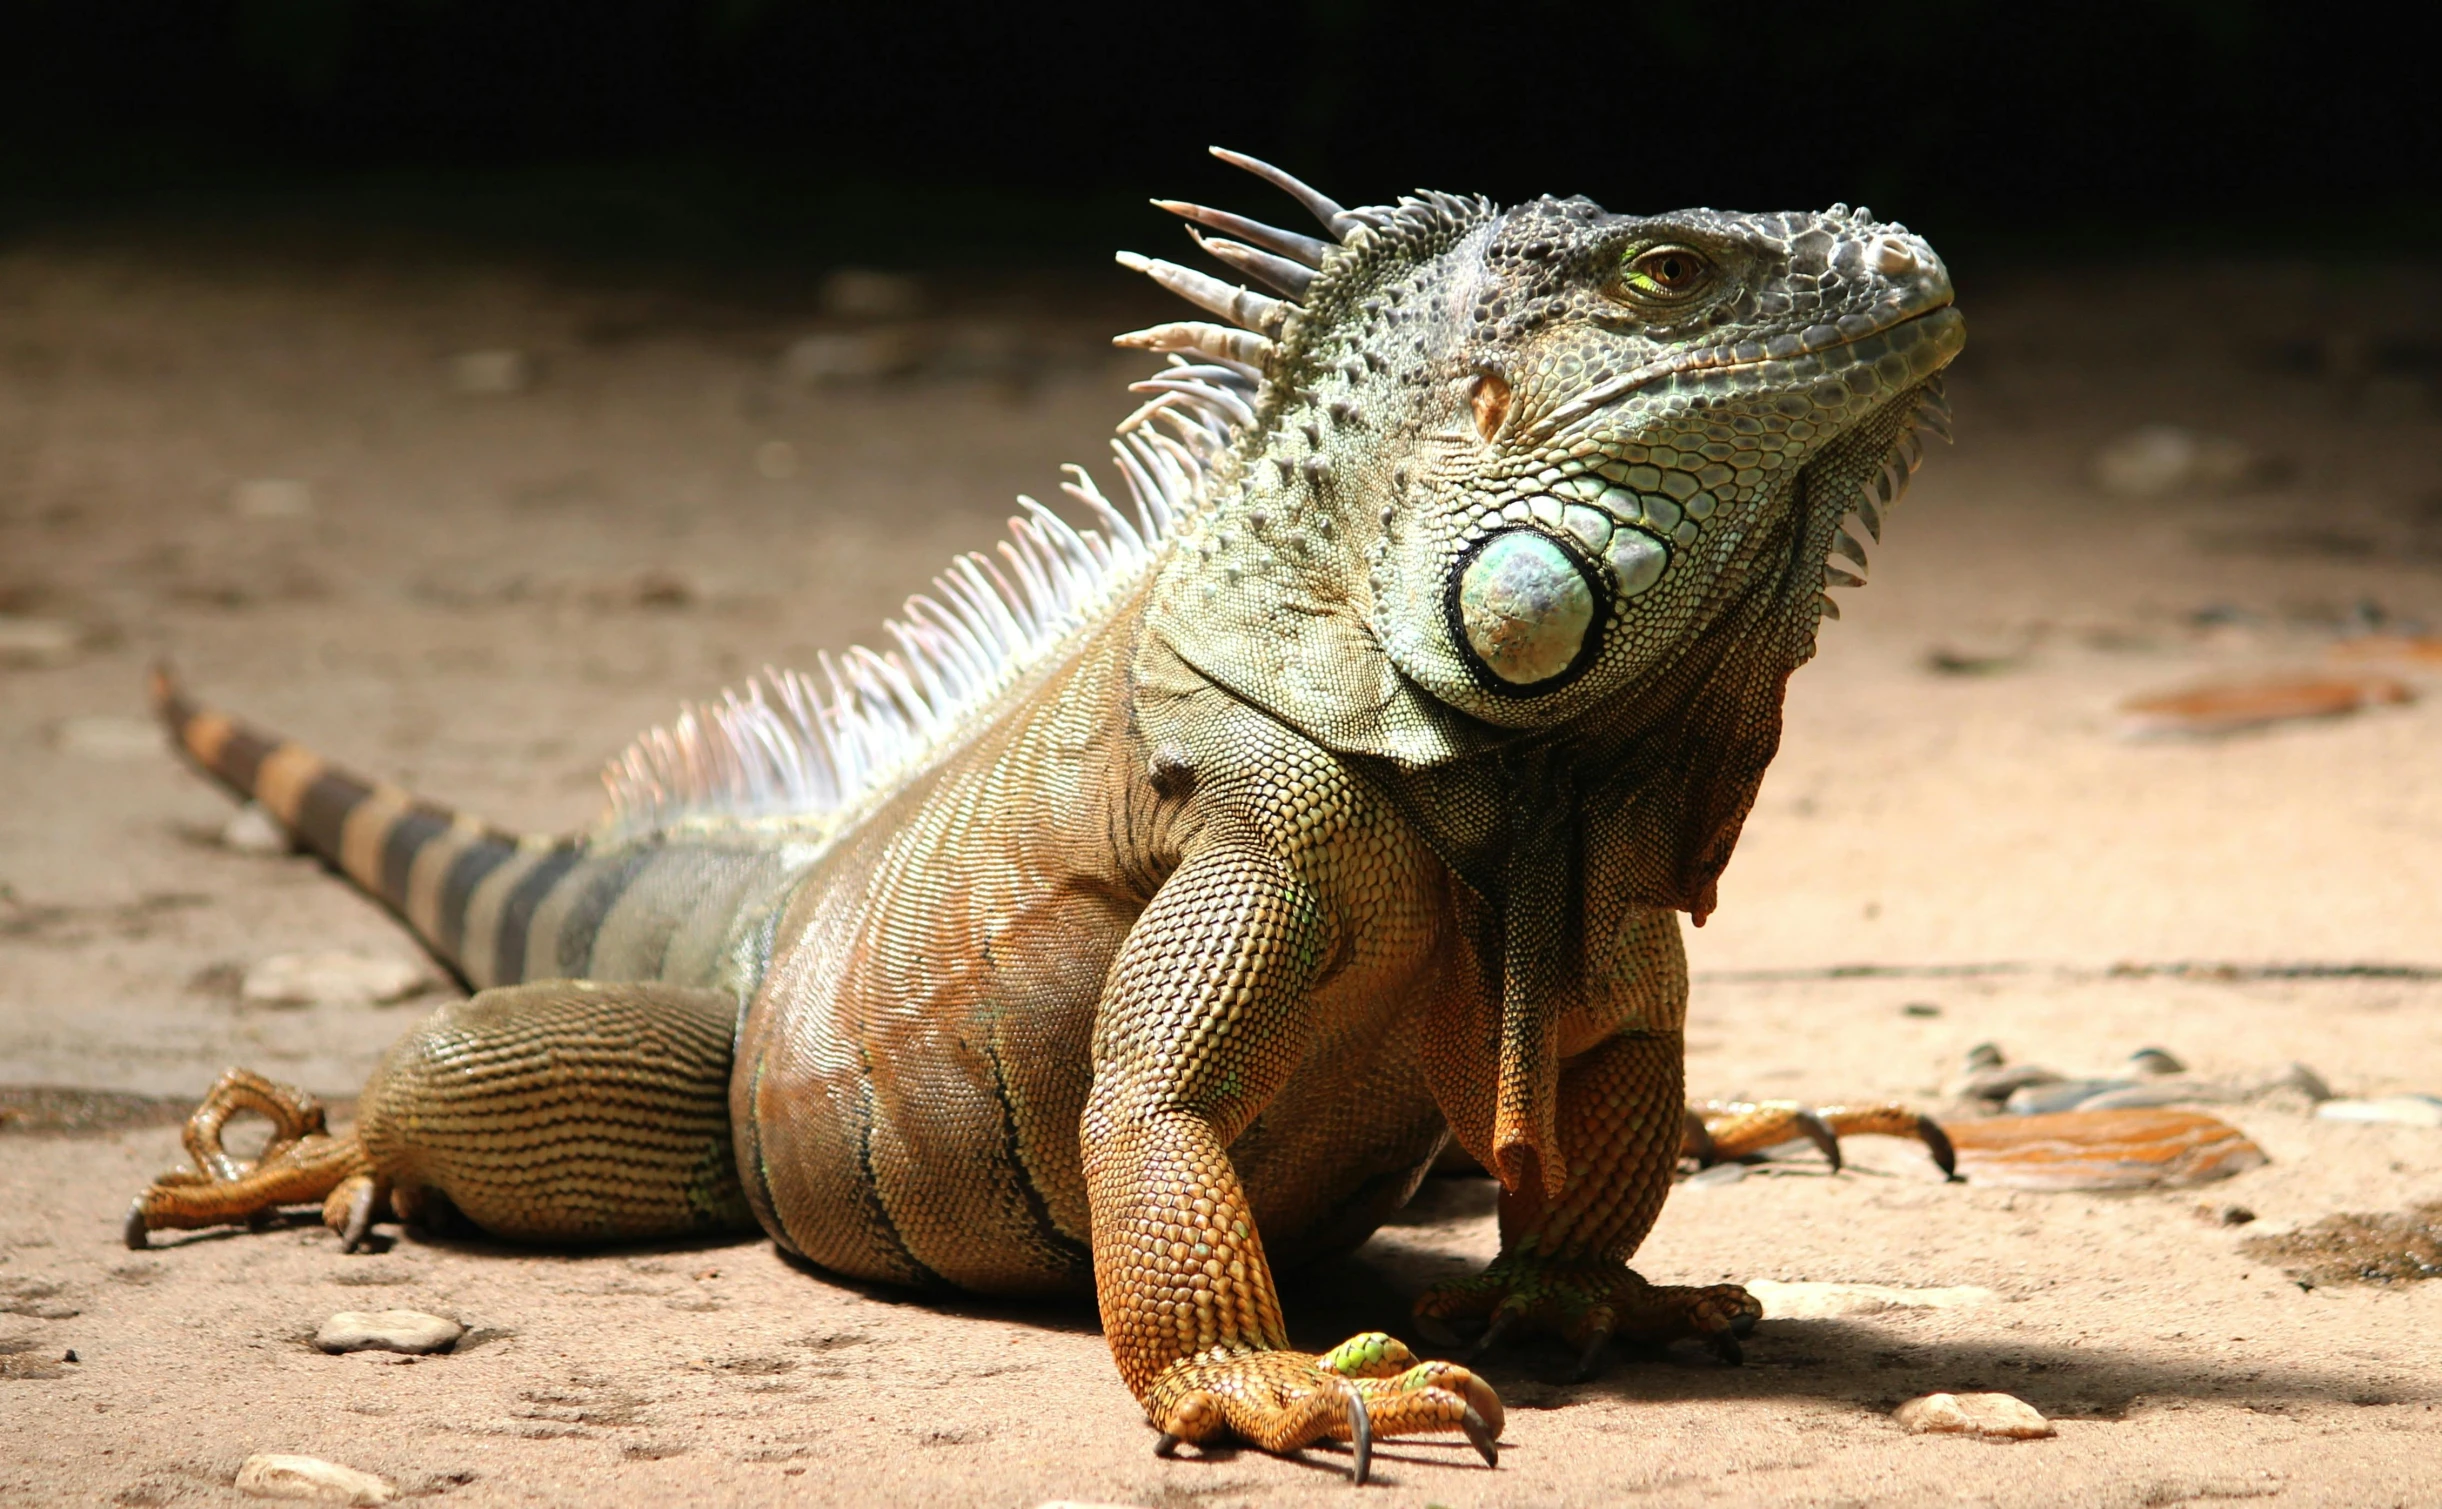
(428, 864)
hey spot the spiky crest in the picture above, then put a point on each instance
(811, 745)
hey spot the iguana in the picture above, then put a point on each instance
(1177, 887)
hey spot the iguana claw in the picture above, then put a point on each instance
(1366, 1387)
(1724, 1131)
(1588, 1301)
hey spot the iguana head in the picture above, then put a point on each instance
(1525, 458)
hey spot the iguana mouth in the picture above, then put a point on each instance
(1929, 326)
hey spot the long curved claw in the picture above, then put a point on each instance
(1481, 1437)
(1166, 1445)
(1361, 1436)
(1937, 1142)
(1502, 1320)
(1819, 1132)
(1725, 1346)
(136, 1233)
(359, 1199)
(1590, 1360)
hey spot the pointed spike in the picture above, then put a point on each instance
(1840, 578)
(1847, 545)
(1278, 273)
(1830, 609)
(1241, 306)
(1335, 220)
(1228, 404)
(1231, 376)
(1870, 516)
(1271, 238)
(1196, 338)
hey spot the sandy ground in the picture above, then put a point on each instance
(489, 593)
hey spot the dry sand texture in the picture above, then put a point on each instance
(485, 592)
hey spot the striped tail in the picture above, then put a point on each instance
(447, 875)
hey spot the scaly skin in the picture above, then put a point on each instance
(1354, 822)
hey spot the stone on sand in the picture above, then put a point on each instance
(279, 1475)
(253, 830)
(2400, 1110)
(38, 641)
(2003, 1417)
(410, 1331)
(330, 979)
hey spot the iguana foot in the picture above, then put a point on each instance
(1368, 1386)
(1722, 1131)
(1586, 1302)
(303, 1164)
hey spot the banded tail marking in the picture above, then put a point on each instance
(420, 859)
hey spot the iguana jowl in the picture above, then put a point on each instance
(1177, 887)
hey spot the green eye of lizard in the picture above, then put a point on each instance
(1664, 273)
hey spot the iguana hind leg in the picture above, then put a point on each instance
(563, 1111)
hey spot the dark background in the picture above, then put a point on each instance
(932, 133)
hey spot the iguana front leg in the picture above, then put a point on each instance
(1563, 1263)
(1201, 1024)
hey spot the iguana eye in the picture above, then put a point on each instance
(1665, 273)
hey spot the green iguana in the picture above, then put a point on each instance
(1174, 890)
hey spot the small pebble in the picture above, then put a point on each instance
(2058, 1095)
(862, 293)
(330, 979)
(253, 830)
(2155, 1061)
(1715, 1177)
(277, 1475)
(107, 736)
(409, 1331)
(2176, 1091)
(2400, 1110)
(2003, 1417)
(1920, 1008)
(271, 498)
(38, 641)
(1812, 1301)
(850, 356)
(2158, 459)
(1984, 1056)
(2302, 1079)
(485, 373)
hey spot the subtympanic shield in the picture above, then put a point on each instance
(1524, 610)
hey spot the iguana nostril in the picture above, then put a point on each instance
(1525, 607)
